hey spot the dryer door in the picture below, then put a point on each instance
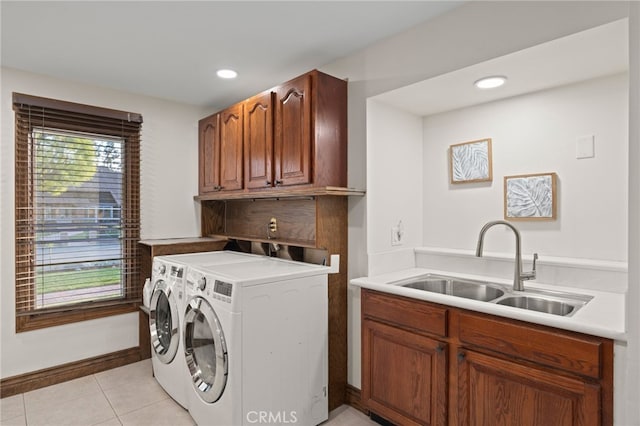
(205, 350)
(163, 322)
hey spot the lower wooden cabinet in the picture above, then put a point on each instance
(406, 378)
(430, 364)
(494, 391)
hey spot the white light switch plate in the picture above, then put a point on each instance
(585, 147)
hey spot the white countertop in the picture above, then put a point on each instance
(603, 316)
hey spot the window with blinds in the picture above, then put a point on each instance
(77, 211)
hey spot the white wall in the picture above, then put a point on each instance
(394, 177)
(169, 181)
(536, 133)
(470, 34)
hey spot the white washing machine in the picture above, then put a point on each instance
(166, 315)
(255, 341)
(166, 312)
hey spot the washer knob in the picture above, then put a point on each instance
(202, 283)
(163, 269)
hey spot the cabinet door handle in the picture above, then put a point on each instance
(440, 348)
(278, 182)
(217, 188)
(268, 183)
(461, 356)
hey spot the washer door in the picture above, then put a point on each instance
(163, 322)
(205, 350)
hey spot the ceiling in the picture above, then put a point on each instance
(597, 52)
(172, 49)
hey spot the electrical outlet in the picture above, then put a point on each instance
(396, 236)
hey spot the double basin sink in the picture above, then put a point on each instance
(551, 302)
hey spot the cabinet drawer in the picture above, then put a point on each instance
(403, 312)
(572, 352)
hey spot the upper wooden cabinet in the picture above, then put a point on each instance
(209, 154)
(292, 135)
(293, 132)
(324, 98)
(220, 151)
(258, 141)
(231, 143)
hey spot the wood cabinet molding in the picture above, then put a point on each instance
(282, 193)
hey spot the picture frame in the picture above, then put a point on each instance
(471, 162)
(531, 197)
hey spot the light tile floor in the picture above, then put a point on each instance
(124, 396)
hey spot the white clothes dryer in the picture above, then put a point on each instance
(166, 315)
(255, 341)
(215, 258)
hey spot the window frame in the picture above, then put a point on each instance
(76, 118)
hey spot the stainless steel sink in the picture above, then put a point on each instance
(538, 304)
(468, 289)
(547, 301)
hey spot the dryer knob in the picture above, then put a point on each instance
(163, 269)
(202, 283)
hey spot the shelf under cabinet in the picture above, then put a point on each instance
(281, 193)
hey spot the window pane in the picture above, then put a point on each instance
(78, 187)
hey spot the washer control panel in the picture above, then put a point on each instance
(199, 283)
(223, 288)
(177, 271)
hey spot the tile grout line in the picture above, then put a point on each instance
(24, 412)
(107, 398)
(118, 416)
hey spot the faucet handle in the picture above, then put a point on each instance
(531, 275)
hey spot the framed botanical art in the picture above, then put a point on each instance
(530, 197)
(470, 162)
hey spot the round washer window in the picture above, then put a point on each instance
(205, 350)
(163, 323)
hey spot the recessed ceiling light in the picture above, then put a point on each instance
(490, 82)
(227, 74)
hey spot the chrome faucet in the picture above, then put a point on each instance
(518, 275)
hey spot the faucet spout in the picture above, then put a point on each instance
(518, 275)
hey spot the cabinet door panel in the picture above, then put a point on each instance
(258, 141)
(209, 154)
(293, 132)
(493, 391)
(576, 354)
(231, 148)
(404, 375)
